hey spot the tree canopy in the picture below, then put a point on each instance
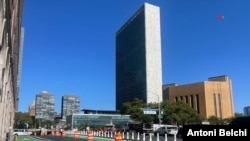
(23, 120)
(179, 113)
(172, 112)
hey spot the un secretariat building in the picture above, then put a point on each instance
(138, 57)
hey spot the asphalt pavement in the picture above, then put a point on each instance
(84, 138)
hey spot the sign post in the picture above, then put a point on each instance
(160, 116)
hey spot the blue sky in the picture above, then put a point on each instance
(69, 47)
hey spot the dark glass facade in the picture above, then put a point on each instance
(96, 120)
(131, 60)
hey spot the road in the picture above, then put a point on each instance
(84, 138)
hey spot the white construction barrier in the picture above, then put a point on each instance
(138, 136)
(166, 137)
(174, 137)
(158, 138)
(150, 137)
(127, 135)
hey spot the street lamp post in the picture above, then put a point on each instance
(159, 107)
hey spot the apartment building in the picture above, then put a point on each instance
(45, 106)
(70, 105)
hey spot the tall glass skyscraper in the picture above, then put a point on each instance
(70, 105)
(138, 57)
(45, 106)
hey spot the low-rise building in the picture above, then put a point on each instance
(97, 119)
(209, 98)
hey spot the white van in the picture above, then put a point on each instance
(157, 126)
(172, 129)
(21, 132)
(167, 129)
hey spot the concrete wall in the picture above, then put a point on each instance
(153, 53)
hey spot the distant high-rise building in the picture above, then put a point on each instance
(45, 106)
(11, 37)
(32, 111)
(247, 111)
(138, 57)
(70, 105)
(209, 98)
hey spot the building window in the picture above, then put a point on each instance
(192, 101)
(197, 103)
(181, 98)
(215, 105)
(219, 102)
(186, 99)
(176, 99)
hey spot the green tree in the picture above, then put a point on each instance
(134, 109)
(23, 120)
(226, 121)
(238, 115)
(179, 113)
(216, 120)
(147, 118)
(82, 126)
(173, 112)
(47, 124)
(35, 122)
(213, 120)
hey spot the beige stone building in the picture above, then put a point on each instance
(32, 109)
(11, 38)
(209, 98)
